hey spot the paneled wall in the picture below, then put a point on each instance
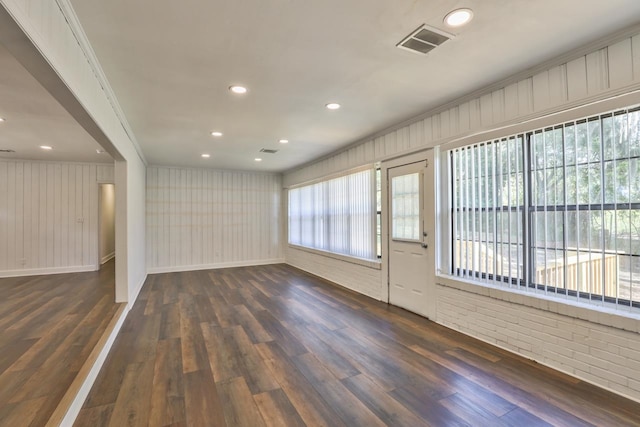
(49, 216)
(202, 218)
(599, 347)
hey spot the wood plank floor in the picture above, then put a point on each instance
(48, 327)
(273, 346)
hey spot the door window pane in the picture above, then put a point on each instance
(405, 207)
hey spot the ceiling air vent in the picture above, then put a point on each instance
(7, 150)
(424, 39)
(268, 151)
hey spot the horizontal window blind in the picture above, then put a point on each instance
(337, 215)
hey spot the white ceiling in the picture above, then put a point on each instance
(34, 118)
(170, 64)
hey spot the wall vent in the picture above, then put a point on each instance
(7, 150)
(268, 151)
(424, 39)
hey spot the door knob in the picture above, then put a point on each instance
(424, 245)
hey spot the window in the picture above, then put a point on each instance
(337, 215)
(405, 207)
(555, 210)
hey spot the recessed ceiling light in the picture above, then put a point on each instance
(46, 147)
(238, 89)
(1, 119)
(99, 151)
(258, 159)
(332, 106)
(216, 133)
(458, 17)
(283, 141)
(205, 156)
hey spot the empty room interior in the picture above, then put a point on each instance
(320, 213)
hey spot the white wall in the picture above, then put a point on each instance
(107, 222)
(203, 218)
(49, 216)
(598, 346)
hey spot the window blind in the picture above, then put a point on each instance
(337, 215)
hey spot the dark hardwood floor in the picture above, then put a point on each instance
(49, 325)
(273, 346)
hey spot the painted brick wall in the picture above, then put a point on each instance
(363, 279)
(603, 355)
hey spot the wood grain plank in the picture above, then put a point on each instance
(313, 409)
(245, 318)
(24, 413)
(387, 409)
(251, 366)
(134, 399)
(240, 408)
(223, 363)
(276, 409)
(167, 395)
(98, 416)
(194, 350)
(202, 400)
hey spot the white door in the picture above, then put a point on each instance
(411, 262)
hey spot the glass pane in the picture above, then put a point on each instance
(405, 207)
(634, 133)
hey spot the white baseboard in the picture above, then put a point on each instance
(43, 271)
(175, 269)
(108, 257)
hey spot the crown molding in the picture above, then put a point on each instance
(83, 41)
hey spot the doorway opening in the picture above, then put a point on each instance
(106, 223)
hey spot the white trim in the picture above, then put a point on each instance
(108, 257)
(370, 263)
(83, 392)
(361, 168)
(55, 162)
(45, 271)
(194, 168)
(83, 41)
(179, 268)
(403, 159)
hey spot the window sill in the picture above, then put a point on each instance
(341, 257)
(605, 314)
